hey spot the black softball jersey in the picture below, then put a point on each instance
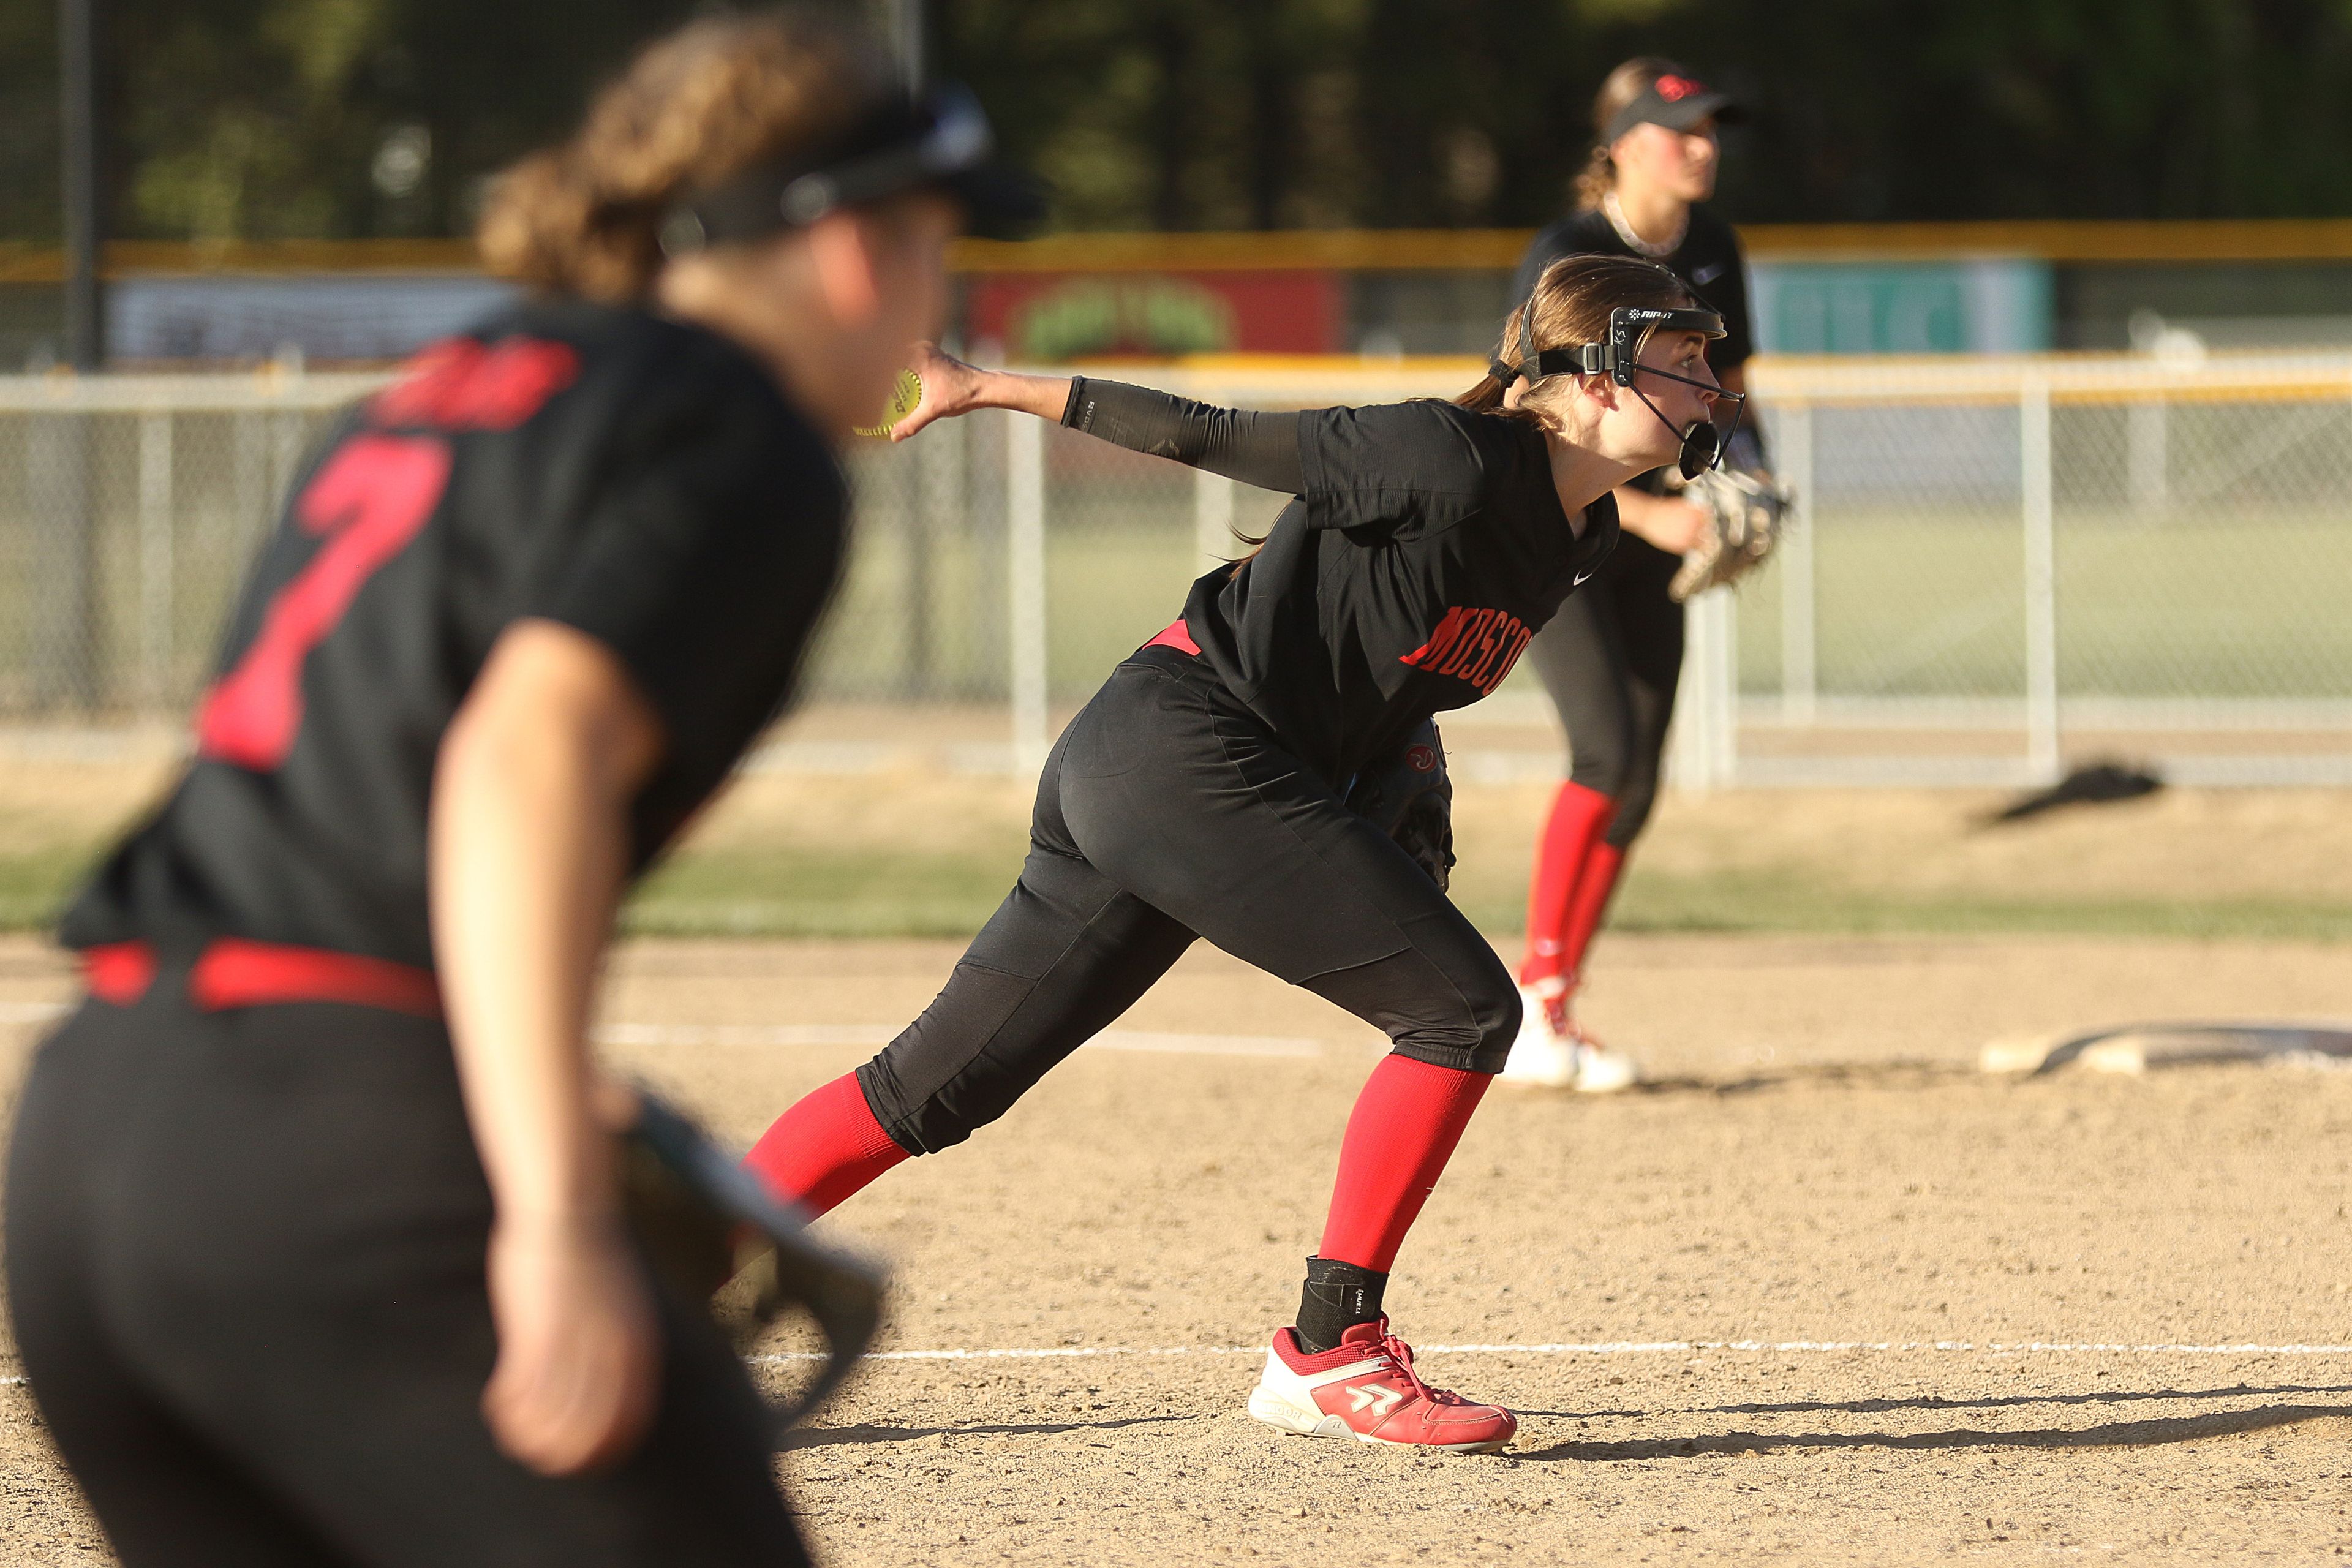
(1425, 546)
(640, 480)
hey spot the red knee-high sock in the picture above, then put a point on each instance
(825, 1149)
(1587, 904)
(1579, 817)
(1402, 1132)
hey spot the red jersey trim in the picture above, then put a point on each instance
(119, 973)
(232, 972)
(1179, 637)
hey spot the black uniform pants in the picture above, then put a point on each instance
(1610, 660)
(245, 1257)
(1167, 812)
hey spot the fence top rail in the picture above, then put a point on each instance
(1309, 379)
(224, 391)
(1787, 380)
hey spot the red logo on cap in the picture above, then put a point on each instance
(1674, 89)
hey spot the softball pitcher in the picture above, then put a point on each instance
(1202, 792)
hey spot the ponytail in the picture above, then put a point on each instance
(712, 98)
(1596, 180)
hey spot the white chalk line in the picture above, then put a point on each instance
(1599, 1348)
(1617, 1347)
(882, 1035)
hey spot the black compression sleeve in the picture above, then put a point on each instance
(1260, 449)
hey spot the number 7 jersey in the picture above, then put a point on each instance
(641, 480)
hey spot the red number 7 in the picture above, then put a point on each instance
(370, 498)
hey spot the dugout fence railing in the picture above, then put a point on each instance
(1998, 568)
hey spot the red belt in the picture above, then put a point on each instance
(231, 972)
(1178, 636)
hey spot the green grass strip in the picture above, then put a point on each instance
(861, 893)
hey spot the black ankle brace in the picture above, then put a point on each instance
(1336, 1296)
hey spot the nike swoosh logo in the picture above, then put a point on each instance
(1706, 274)
(1581, 578)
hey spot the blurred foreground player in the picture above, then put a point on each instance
(1205, 790)
(313, 1246)
(1612, 659)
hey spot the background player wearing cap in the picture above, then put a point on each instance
(1612, 659)
(312, 1238)
(1200, 792)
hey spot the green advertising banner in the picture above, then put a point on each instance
(1989, 306)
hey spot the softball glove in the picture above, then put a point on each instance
(1747, 513)
(700, 1218)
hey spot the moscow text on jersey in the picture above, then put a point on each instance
(1426, 544)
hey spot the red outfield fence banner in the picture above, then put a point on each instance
(1051, 317)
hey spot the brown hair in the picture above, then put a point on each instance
(1621, 87)
(1571, 302)
(704, 103)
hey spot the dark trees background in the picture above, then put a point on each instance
(256, 119)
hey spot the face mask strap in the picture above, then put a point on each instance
(1703, 444)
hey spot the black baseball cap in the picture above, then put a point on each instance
(939, 141)
(1676, 100)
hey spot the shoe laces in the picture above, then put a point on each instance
(1555, 992)
(1402, 1353)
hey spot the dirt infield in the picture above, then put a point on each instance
(1777, 1302)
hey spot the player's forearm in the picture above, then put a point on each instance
(1042, 395)
(1656, 520)
(528, 856)
(1257, 448)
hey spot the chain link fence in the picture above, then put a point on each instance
(1998, 568)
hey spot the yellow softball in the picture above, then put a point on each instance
(903, 396)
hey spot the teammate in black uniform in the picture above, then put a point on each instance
(1199, 794)
(1612, 659)
(312, 1242)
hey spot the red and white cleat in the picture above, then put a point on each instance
(1364, 1387)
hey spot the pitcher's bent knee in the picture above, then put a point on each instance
(1462, 1016)
(1497, 1009)
(938, 1083)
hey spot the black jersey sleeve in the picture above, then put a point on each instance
(1405, 469)
(705, 564)
(1257, 448)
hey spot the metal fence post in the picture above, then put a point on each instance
(1725, 749)
(2041, 583)
(1792, 435)
(1024, 508)
(155, 566)
(1213, 520)
(915, 490)
(250, 491)
(63, 502)
(2147, 460)
(1698, 757)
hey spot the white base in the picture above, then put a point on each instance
(2136, 1047)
